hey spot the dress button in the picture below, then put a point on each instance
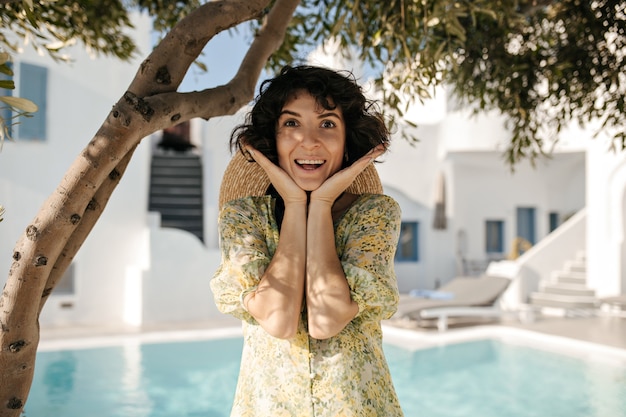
(315, 400)
(312, 375)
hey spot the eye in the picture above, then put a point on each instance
(328, 124)
(290, 123)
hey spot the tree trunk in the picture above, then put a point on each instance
(151, 103)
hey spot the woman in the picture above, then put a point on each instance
(308, 267)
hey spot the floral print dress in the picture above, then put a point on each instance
(345, 375)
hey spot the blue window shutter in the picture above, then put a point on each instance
(494, 236)
(34, 86)
(5, 110)
(526, 223)
(553, 219)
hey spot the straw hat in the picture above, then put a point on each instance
(243, 178)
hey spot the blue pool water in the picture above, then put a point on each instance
(486, 378)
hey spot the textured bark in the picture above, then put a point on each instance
(151, 103)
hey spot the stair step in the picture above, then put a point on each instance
(174, 201)
(568, 289)
(175, 191)
(179, 158)
(182, 224)
(181, 212)
(169, 171)
(179, 181)
(576, 266)
(562, 301)
(570, 278)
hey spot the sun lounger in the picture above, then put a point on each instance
(618, 301)
(614, 306)
(471, 297)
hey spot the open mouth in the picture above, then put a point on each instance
(310, 163)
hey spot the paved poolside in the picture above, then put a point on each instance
(604, 330)
(75, 332)
(609, 331)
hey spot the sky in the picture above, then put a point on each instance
(222, 56)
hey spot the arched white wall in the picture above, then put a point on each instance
(176, 287)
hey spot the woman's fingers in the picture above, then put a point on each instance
(259, 158)
(282, 182)
(335, 185)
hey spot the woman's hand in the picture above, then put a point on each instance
(332, 188)
(282, 182)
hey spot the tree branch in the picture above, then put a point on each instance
(65, 219)
(229, 98)
(192, 33)
(210, 103)
(166, 66)
(268, 40)
(91, 214)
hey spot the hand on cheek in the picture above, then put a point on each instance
(332, 188)
(282, 182)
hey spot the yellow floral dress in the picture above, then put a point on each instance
(345, 375)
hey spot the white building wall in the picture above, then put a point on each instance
(409, 173)
(216, 154)
(176, 286)
(411, 275)
(80, 95)
(486, 189)
(463, 131)
(413, 168)
(606, 228)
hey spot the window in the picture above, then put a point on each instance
(553, 220)
(494, 236)
(34, 86)
(407, 250)
(526, 224)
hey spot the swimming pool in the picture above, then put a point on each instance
(487, 375)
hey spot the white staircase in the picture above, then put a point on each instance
(566, 292)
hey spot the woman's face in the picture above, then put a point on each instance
(310, 140)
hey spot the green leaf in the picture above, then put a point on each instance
(7, 84)
(5, 69)
(32, 18)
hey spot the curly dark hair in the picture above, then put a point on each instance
(365, 126)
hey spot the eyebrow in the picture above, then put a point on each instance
(321, 116)
(329, 114)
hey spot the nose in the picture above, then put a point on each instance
(309, 139)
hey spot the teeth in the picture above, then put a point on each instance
(309, 161)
